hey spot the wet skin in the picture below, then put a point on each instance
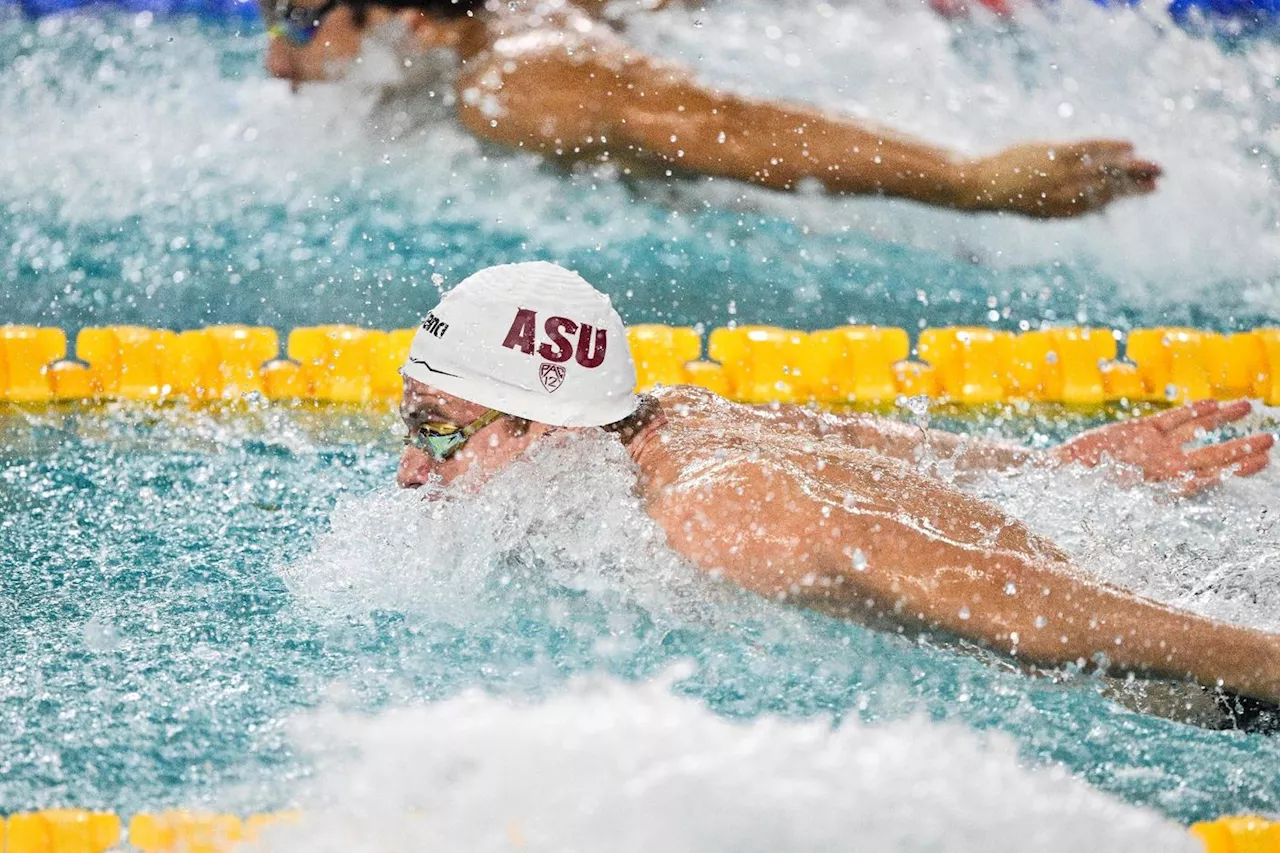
(831, 512)
(550, 77)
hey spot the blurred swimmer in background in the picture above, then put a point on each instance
(555, 78)
(834, 512)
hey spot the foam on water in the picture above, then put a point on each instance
(607, 766)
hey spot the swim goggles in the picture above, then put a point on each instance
(443, 440)
(298, 24)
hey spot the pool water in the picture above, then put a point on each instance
(235, 609)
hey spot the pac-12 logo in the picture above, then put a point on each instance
(558, 348)
(552, 376)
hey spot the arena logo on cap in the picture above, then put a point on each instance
(558, 348)
(434, 325)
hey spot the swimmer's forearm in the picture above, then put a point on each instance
(1043, 613)
(1145, 637)
(967, 453)
(914, 445)
(636, 108)
(785, 146)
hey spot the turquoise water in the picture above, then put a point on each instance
(195, 605)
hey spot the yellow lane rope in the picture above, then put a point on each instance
(849, 364)
(80, 831)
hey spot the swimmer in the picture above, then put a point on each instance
(823, 510)
(550, 77)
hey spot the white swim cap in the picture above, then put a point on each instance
(532, 340)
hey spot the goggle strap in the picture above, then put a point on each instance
(480, 423)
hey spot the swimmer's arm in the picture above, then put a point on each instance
(617, 9)
(773, 537)
(1156, 447)
(608, 102)
(914, 444)
(907, 442)
(622, 105)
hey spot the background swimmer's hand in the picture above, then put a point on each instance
(1046, 180)
(1155, 446)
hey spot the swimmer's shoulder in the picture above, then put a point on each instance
(685, 402)
(685, 393)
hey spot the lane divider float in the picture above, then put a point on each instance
(82, 831)
(756, 364)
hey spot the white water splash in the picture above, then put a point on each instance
(565, 515)
(624, 768)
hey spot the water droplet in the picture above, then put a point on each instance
(100, 635)
(858, 560)
(918, 405)
(964, 612)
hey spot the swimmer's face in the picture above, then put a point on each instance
(488, 450)
(338, 41)
(334, 45)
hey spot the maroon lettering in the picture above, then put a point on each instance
(556, 329)
(520, 336)
(585, 356)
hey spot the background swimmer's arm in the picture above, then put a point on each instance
(618, 9)
(607, 102)
(916, 552)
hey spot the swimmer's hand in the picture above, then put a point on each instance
(1155, 446)
(1046, 180)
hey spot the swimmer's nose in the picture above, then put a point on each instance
(413, 469)
(279, 63)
